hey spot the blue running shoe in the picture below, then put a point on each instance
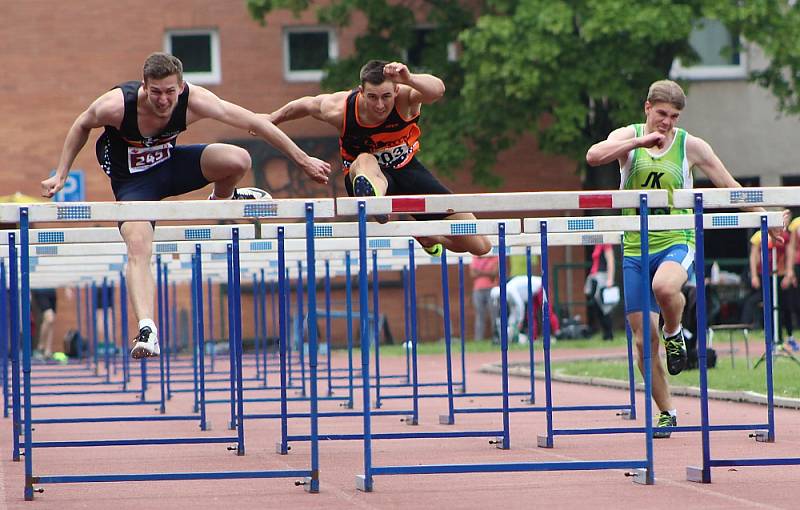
(362, 187)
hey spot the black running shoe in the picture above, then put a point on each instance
(250, 194)
(664, 420)
(676, 353)
(362, 187)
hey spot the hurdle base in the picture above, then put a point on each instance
(762, 436)
(410, 420)
(205, 426)
(626, 415)
(499, 443)
(279, 448)
(311, 486)
(363, 484)
(445, 419)
(528, 401)
(544, 441)
(377, 404)
(696, 474)
(640, 476)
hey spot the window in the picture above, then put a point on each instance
(199, 52)
(426, 49)
(306, 50)
(721, 54)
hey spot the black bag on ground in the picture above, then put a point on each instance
(692, 362)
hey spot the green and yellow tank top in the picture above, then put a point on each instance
(668, 170)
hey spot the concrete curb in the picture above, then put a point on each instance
(523, 370)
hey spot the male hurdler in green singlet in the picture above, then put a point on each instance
(660, 155)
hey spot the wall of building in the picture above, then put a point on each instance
(740, 120)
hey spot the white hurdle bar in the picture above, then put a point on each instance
(500, 202)
(656, 222)
(397, 229)
(189, 210)
(716, 198)
(89, 235)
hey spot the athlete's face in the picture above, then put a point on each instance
(380, 98)
(661, 117)
(162, 95)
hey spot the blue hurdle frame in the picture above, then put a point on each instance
(31, 480)
(642, 468)
(702, 474)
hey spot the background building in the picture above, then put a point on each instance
(59, 57)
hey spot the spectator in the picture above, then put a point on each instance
(517, 305)
(45, 300)
(483, 271)
(785, 272)
(792, 270)
(601, 277)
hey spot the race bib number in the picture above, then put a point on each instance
(393, 156)
(143, 158)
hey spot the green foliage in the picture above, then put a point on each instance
(566, 71)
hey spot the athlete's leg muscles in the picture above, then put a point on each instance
(224, 165)
(138, 236)
(667, 283)
(366, 164)
(660, 385)
(46, 331)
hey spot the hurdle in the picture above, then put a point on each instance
(657, 222)
(71, 246)
(149, 211)
(347, 230)
(449, 204)
(699, 200)
(529, 241)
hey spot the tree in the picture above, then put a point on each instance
(568, 72)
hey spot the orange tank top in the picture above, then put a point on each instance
(393, 142)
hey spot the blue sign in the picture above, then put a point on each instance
(73, 190)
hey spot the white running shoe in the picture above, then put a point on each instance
(250, 194)
(145, 344)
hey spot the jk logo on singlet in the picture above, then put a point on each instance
(653, 180)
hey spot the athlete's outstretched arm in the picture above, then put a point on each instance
(324, 107)
(618, 144)
(703, 157)
(105, 110)
(204, 104)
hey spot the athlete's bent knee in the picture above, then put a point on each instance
(241, 161)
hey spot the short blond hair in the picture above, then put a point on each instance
(667, 91)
